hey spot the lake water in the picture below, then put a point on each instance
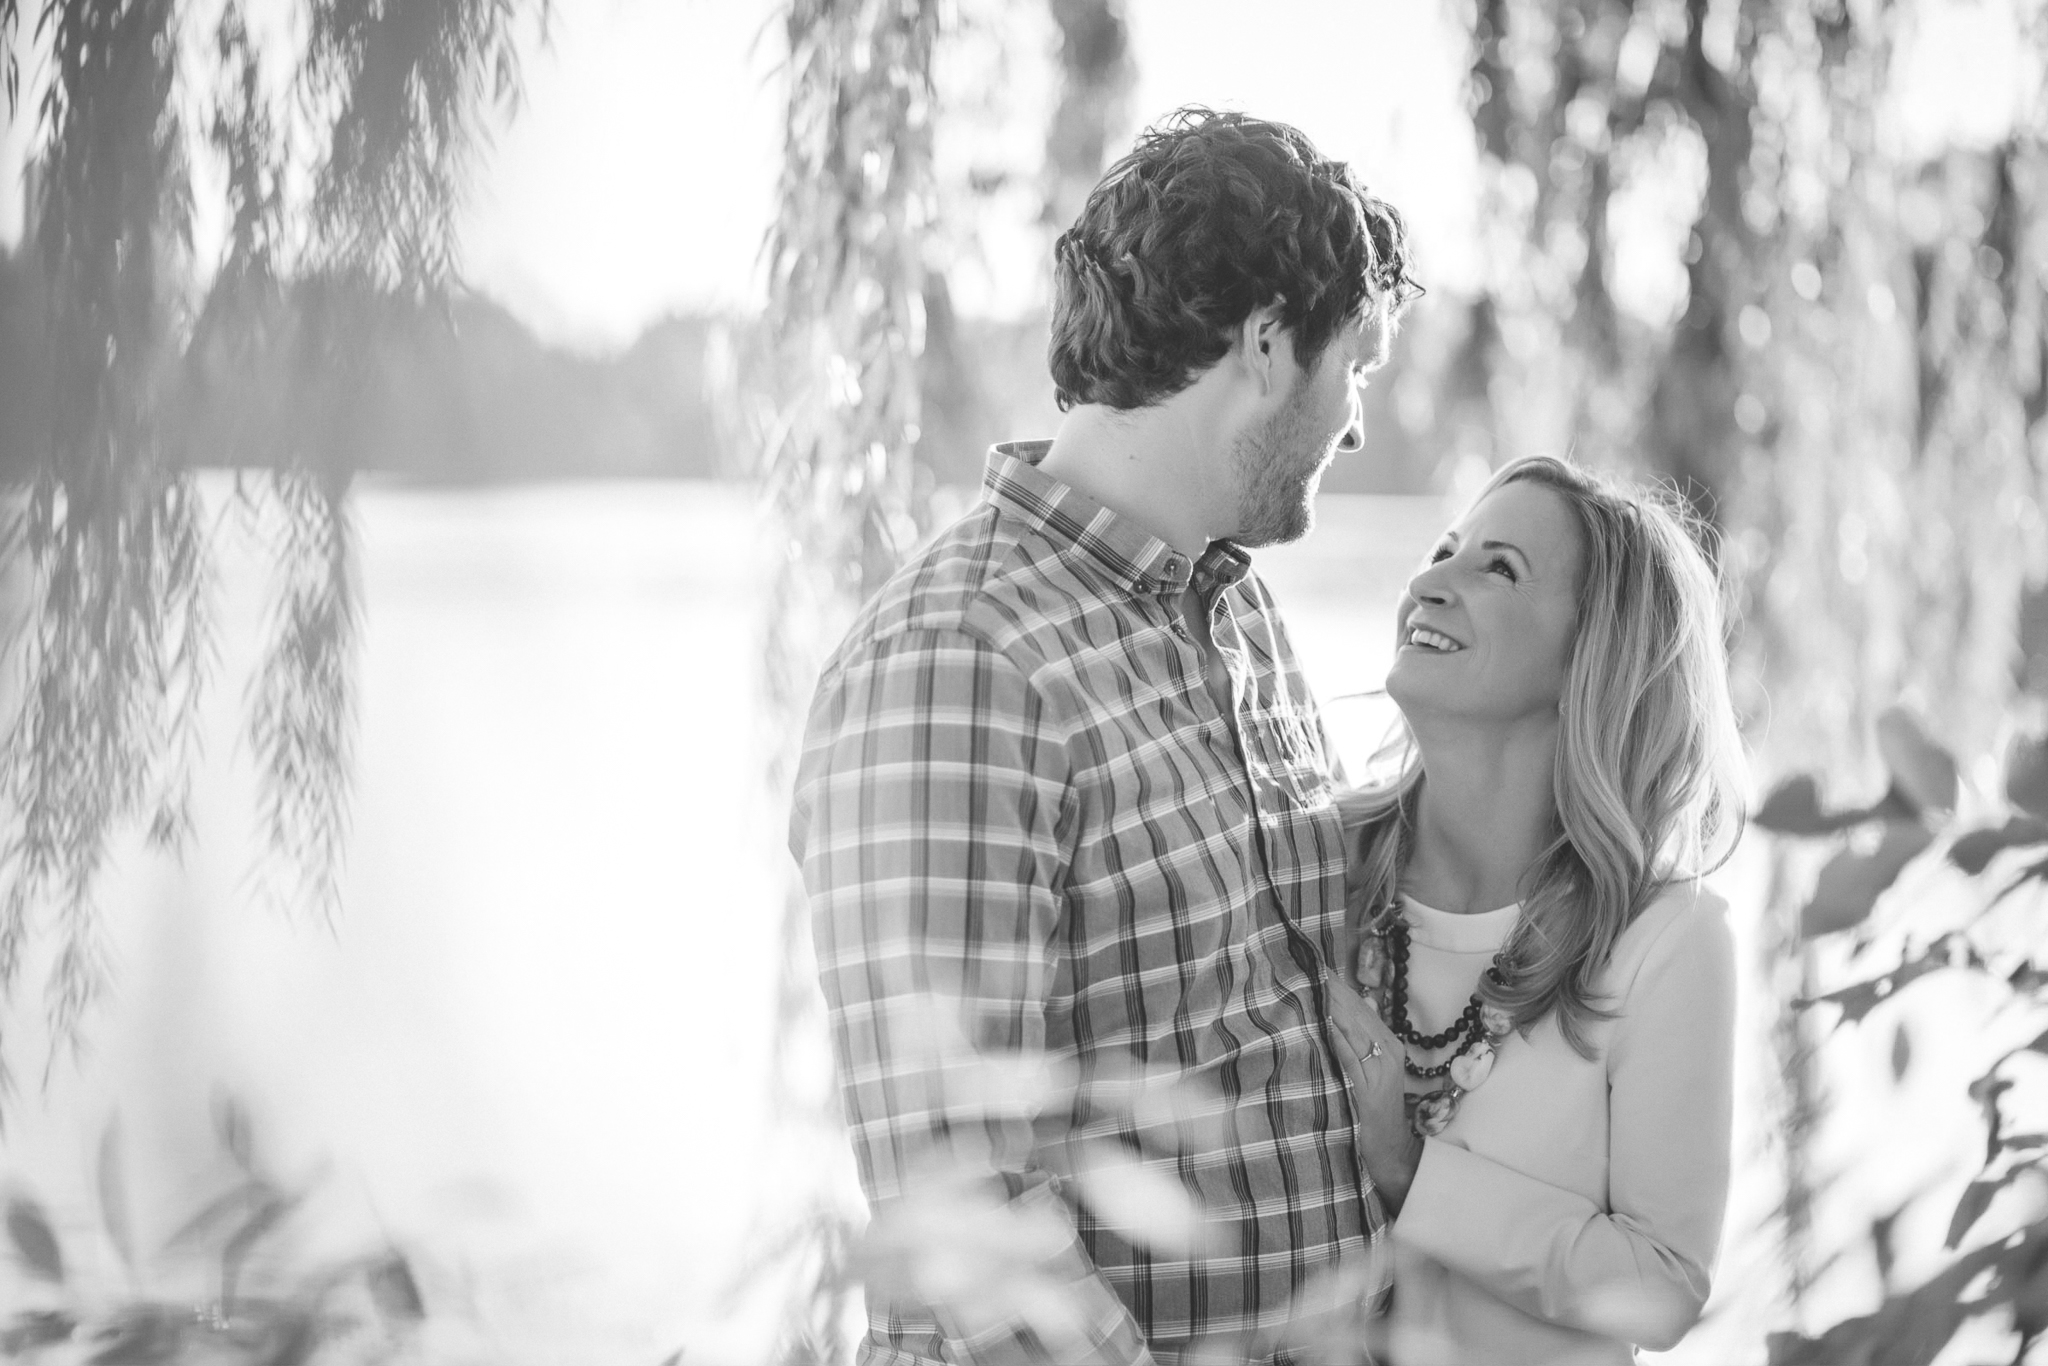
(533, 1050)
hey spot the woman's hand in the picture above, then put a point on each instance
(1372, 1056)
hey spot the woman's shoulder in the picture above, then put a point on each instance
(1685, 926)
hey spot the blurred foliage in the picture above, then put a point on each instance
(1097, 76)
(859, 335)
(343, 176)
(831, 399)
(264, 1304)
(1844, 369)
(1848, 376)
(1874, 891)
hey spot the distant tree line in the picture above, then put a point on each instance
(460, 391)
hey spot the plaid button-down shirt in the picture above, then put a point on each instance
(1028, 832)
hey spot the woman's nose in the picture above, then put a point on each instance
(1430, 584)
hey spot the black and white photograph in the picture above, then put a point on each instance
(1024, 682)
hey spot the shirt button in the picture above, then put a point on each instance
(1173, 566)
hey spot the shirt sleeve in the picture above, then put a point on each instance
(1639, 1269)
(926, 821)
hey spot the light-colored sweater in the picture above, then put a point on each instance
(1573, 1206)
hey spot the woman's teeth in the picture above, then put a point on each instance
(1432, 640)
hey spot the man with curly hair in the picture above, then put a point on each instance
(1065, 810)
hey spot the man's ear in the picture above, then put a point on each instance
(1258, 342)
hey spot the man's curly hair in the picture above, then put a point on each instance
(1211, 216)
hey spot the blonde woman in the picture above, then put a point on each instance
(1541, 1055)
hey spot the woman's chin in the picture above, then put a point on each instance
(1403, 688)
(1419, 691)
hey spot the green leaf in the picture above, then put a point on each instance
(1909, 1329)
(113, 1193)
(1987, 1088)
(1902, 1051)
(143, 1336)
(1986, 1091)
(1851, 883)
(231, 1123)
(1791, 1349)
(1860, 998)
(2026, 774)
(34, 1240)
(1970, 1208)
(212, 1217)
(36, 1328)
(394, 1290)
(1794, 808)
(1921, 770)
(2030, 1294)
(262, 1221)
(1974, 851)
(1884, 1243)
(294, 1340)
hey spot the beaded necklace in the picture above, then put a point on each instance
(1477, 1032)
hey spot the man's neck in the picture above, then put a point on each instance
(1488, 808)
(1160, 466)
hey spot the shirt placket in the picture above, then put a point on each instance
(1270, 806)
(1249, 729)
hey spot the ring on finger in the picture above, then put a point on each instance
(1369, 1054)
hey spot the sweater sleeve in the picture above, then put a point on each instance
(1636, 1270)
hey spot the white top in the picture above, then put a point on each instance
(1573, 1206)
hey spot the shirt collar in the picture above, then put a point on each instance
(1138, 560)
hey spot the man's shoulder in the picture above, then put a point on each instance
(978, 578)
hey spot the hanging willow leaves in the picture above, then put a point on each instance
(148, 380)
(833, 401)
(1849, 381)
(1852, 382)
(118, 649)
(834, 379)
(833, 392)
(1097, 76)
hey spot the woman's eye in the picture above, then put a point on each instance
(1442, 552)
(1501, 566)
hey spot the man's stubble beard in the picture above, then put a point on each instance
(1277, 477)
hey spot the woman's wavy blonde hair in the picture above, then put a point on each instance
(1650, 772)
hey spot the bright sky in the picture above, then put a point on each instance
(639, 177)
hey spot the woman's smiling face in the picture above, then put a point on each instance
(1485, 629)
